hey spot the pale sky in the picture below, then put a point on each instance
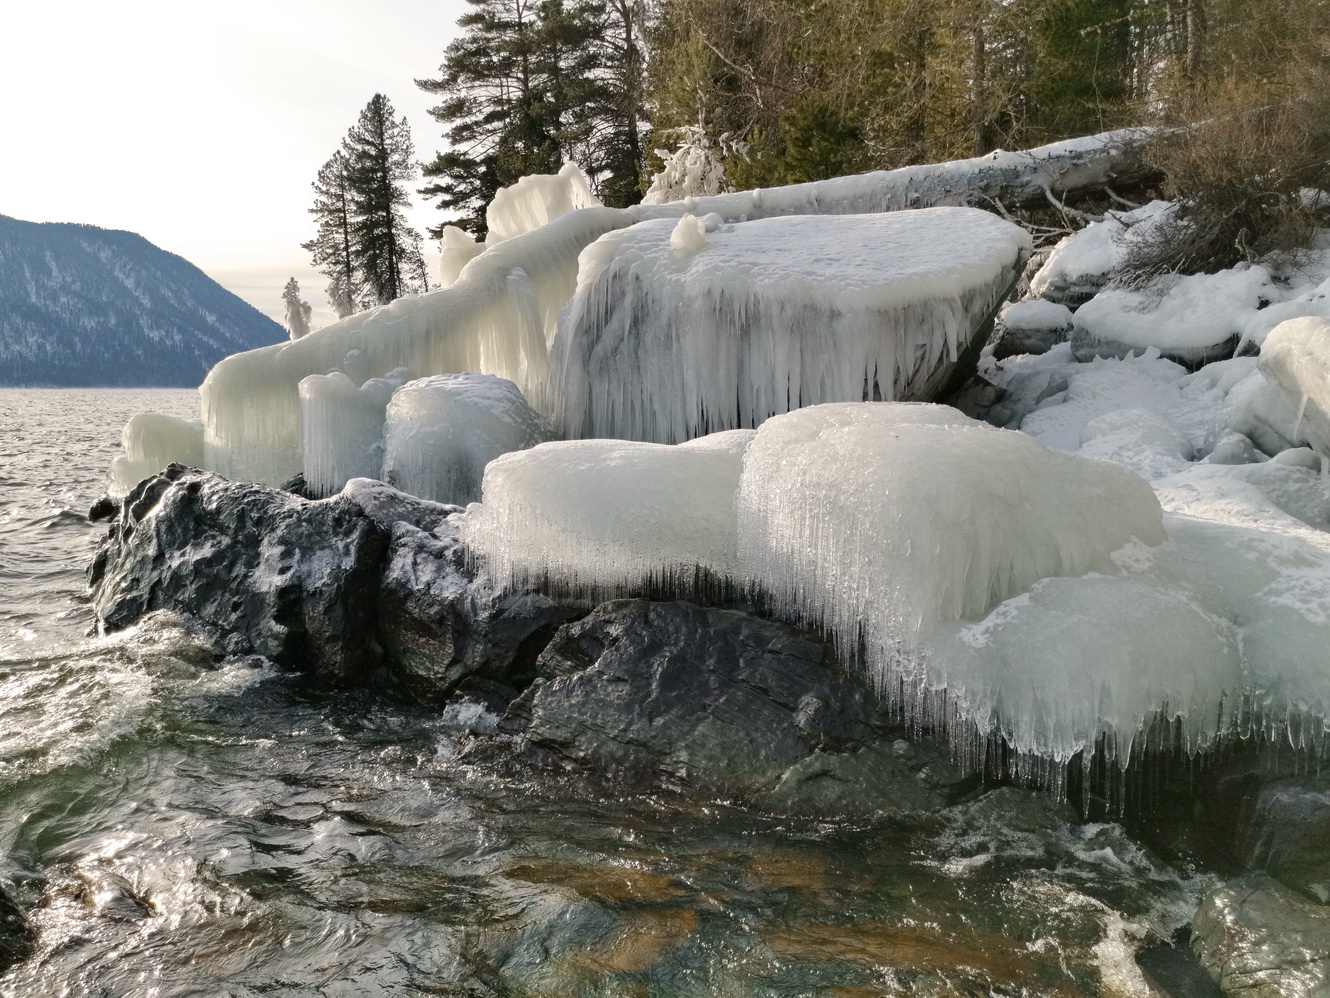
(201, 125)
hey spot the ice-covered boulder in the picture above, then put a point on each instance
(442, 431)
(1296, 357)
(762, 317)
(606, 517)
(880, 522)
(1193, 320)
(150, 442)
(341, 428)
(1033, 326)
(1082, 263)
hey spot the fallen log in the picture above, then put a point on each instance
(1011, 179)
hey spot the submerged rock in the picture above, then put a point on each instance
(1260, 939)
(725, 701)
(1288, 835)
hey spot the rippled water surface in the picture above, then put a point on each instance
(177, 829)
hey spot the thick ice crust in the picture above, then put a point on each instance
(672, 334)
(610, 516)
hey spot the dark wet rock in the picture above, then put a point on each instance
(292, 580)
(111, 896)
(1260, 939)
(297, 486)
(442, 626)
(1085, 347)
(1288, 835)
(104, 508)
(341, 586)
(16, 934)
(721, 700)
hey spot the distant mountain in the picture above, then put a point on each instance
(83, 306)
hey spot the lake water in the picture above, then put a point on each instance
(173, 829)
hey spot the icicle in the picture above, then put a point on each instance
(342, 428)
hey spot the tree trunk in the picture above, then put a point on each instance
(1006, 178)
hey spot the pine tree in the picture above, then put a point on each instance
(491, 89)
(331, 247)
(379, 160)
(298, 312)
(533, 83)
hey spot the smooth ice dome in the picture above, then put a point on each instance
(1296, 356)
(881, 521)
(672, 334)
(443, 431)
(606, 517)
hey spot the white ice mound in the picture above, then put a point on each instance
(772, 315)
(457, 248)
(882, 521)
(1296, 356)
(151, 441)
(606, 517)
(536, 200)
(497, 318)
(1085, 261)
(341, 428)
(442, 431)
(1187, 317)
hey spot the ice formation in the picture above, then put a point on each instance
(341, 428)
(1182, 316)
(604, 517)
(442, 432)
(484, 321)
(1296, 356)
(537, 200)
(694, 169)
(457, 248)
(495, 319)
(881, 521)
(150, 442)
(1085, 261)
(766, 316)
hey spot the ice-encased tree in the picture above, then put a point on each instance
(331, 246)
(384, 248)
(298, 312)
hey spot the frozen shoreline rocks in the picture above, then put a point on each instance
(680, 329)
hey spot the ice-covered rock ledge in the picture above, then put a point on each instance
(372, 584)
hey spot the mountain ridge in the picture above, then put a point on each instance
(83, 306)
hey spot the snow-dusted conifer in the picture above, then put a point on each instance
(298, 312)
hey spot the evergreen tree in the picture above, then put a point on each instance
(378, 155)
(298, 312)
(331, 246)
(530, 84)
(491, 90)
